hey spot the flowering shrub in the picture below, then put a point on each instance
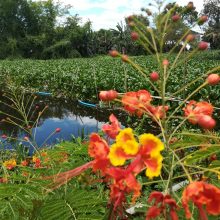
(172, 156)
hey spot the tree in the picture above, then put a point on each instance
(212, 33)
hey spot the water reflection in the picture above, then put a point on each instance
(73, 119)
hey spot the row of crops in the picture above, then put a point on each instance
(84, 78)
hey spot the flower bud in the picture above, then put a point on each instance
(190, 6)
(124, 58)
(165, 62)
(190, 37)
(203, 45)
(206, 122)
(213, 79)
(58, 130)
(175, 18)
(202, 19)
(134, 36)
(113, 53)
(108, 95)
(154, 76)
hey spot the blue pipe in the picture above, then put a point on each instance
(43, 93)
(87, 104)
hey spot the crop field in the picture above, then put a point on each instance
(84, 78)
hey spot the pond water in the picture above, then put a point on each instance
(73, 119)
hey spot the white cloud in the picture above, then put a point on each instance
(112, 11)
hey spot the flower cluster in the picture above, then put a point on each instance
(139, 103)
(202, 194)
(121, 162)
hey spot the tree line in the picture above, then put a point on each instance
(46, 30)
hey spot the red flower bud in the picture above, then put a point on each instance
(190, 38)
(175, 18)
(213, 79)
(134, 36)
(190, 5)
(130, 18)
(165, 62)
(113, 53)
(202, 19)
(124, 58)
(112, 94)
(58, 130)
(4, 136)
(203, 45)
(131, 24)
(154, 76)
(108, 95)
(26, 138)
(213, 157)
(206, 121)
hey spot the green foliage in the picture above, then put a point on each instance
(74, 204)
(83, 78)
(17, 200)
(202, 154)
(29, 196)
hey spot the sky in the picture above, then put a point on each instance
(107, 13)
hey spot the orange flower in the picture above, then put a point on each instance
(99, 150)
(10, 164)
(159, 111)
(160, 205)
(194, 110)
(137, 102)
(24, 163)
(36, 161)
(113, 129)
(202, 194)
(130, 102)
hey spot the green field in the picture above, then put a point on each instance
(84, 78)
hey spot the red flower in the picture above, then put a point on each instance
(124, 182)
(99, 150)
(113, 129)
(194, 110)
(137, 102)
(160, 205)
(202, 194)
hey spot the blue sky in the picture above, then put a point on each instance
(107, 13)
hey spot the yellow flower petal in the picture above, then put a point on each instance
(154, 167)
(153, 144)
(125, 135)
(131, 147)
(116, 155)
